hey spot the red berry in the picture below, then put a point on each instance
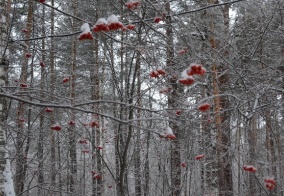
(199, 157)
(86, 35)
(269, 180)
(115, 26)
(182, 52)
(196, 69)
(83, 141)
(165, 90)
(48, 110)
(130, 27)
(71, 123)
(97, 177)
(28, 55)
(41, 64)
(132, 4)
(56, 127)
(250, 168)
(171, 136)
(204, 107)
(161, 71)
(21, 120)
(65, 80)
(99, 147)
(186, 81)
(157, 19)
(154, 74)
(85, 151)
(178, 112)
(23, 85)
(94, 124)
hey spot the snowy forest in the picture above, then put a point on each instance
(141, 97)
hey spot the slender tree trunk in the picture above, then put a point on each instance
(97, 134)
(40, 179)
(270, 146)
(137, 148)
(97, 162)
(172, 103)
(52, 91)
(28, 134)
(147, 164)
(20, 159)
(72, 138)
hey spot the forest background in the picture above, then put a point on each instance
(150, 97)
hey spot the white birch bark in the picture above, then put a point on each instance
(6, 182)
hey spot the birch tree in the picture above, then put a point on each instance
(6, 182)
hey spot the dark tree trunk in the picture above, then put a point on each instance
(172, 103)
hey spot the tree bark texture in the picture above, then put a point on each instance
(21, 158)
(172, 103)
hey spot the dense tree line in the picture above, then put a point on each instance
(141, 97)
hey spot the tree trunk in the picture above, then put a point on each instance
(222, 116)
(40, 179)
(20, 159)
(4, 64)
(52, 90)
(270, 146)
(137, 148)
(71, 129)
(172, 103)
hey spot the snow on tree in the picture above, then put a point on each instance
(86, 32)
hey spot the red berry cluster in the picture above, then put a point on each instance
(65, 80)
(165, 90)
(183, 164)
(23, 85)
(250, 168)
(199, 157)
(87, 35)
(56, 127)
(168, 134)
(195, 69)
(182, 51)
(111, 24)
(157, 73)
(130, 27)
(99, 147)
(269, 183)
(115, 26)
(101, 26)
(41, 64)
(85, 151)
(83, 141)
(48, 110)
(132, 4)
(71, 123)
(94, 124)
(186, 81)
(204, 107)
(21, 120)
(157, 19)
(28, 55)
